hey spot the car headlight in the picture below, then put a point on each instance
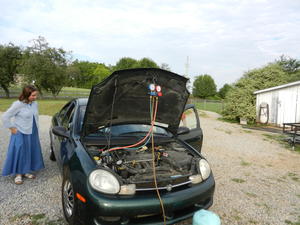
(104, 181)
(204, 169)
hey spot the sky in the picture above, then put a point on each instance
(222, 38)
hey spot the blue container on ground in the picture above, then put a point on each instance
(205, 217)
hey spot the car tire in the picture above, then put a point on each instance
(69, 202)
(52, 156)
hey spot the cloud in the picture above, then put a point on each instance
(221, 38)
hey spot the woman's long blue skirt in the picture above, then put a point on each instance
(24, 154)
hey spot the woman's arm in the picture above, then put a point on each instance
(10, 113)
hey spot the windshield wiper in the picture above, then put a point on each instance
(133, 132)
(141, 132)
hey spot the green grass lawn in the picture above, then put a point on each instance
(46, 106)
(210, 106)
(75, 89)
(71, 91)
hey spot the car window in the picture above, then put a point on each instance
(63, 112)
(188, 119)
(67, 118)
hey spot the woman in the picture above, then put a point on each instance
(24, 154)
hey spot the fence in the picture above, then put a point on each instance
(203, 104)
(208, 105)
(47, 95)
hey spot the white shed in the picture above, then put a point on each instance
(278, 105)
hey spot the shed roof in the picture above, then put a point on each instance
(277, 87)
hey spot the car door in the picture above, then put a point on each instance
(193, 135)
(64, 119)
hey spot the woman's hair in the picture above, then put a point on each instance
(27, 91)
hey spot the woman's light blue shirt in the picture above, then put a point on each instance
(20, 115)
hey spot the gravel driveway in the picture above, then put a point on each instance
(258, 181)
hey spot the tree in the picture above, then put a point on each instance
(85, 74)
(101, 72)
(45, 66)
(146, 63)
(130, 63)
(224, 90)
(240, 100)
(204, 86)
(85, 78)
(290, 66)
(73, 74)
(125, 63)
(10, 56)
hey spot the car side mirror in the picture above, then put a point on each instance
(61, 131)
(182, 130)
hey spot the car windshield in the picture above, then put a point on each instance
(126, 129)
(131, 130)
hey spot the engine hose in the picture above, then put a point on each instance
(172, 164)
(154, 172)
(149, 132)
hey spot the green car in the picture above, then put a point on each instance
(131, 152)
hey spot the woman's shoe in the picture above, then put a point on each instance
(29, 176)
(18, 179)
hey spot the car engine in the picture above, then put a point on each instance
(173, 163)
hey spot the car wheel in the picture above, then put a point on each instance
(52, 156)
(69, 202)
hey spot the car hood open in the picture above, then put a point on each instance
(123, 98)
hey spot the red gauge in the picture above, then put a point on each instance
(158, 88)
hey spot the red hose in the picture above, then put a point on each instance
(141, 141)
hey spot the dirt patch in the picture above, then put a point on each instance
(257, 179)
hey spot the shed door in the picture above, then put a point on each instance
(282, 107)
(274, 107)
(297, 113)
(287, 109)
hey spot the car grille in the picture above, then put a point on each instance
(168, 187)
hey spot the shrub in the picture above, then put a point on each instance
(240, 100)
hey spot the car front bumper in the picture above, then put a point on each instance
(144, 208)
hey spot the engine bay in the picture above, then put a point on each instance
(173, 163)
(145, 163)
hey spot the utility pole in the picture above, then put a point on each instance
(187, 66)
